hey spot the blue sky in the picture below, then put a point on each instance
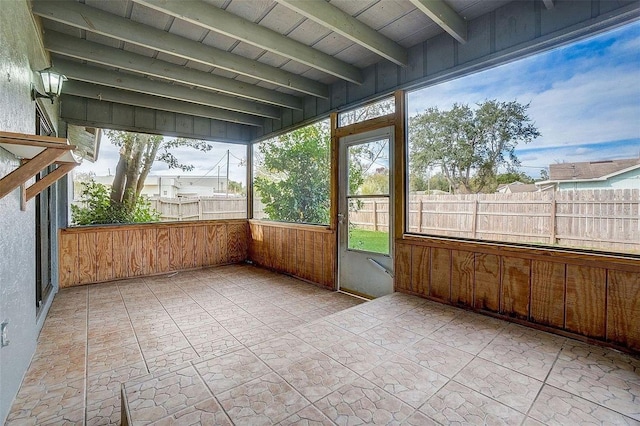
(584, 98)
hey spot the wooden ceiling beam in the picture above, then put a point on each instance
(442, 14)
(74, 47)
(222, 22)
(104, 93)
(100, 22)
(346, 25)
(105, 77)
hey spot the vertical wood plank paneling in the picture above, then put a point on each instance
(623, 308)
(420, 270)
(175, 248)
(516, 286)
(440, 283)
(309, 255)
(236, 241)
(330, 261)
(200, 245)
(163, 250)
(300, 254)
(586, 296)
(402, 267)
(547, 293)
(487, 275)
(149, 251)
(188, 252)
(120, 254)
(290, 250)
(267, 254)
(104, 256)
(319, 261)
(87, 258)
(68, 260)
(136, 253)
(222, 240)
(462, 277)
(210, 255)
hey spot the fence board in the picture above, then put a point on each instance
(149, 251)
(463, 277)
(104, 256)
(120, 254)
(420, 270)
(487, 273)
(68, 260)
(136, 254)
(516, 287)
(440, 283)
(163, 250)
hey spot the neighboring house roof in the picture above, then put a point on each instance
(590, 169)
(517, 187)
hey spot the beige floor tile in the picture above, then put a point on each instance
(308, 416)
(171, 359)
(256, 335)
(316, 376)
(391, 337)
(502, 384)
(217, 347)
(230, 370)
(264, 401)
(362, 402)
(457, 404)
(469, 332)
(159, 397)
(605, 377)
(438, 357)
(358, 354)
(207, 412)
(43, 403)
(354, 321)
(205, 332)
(282, 351)
(406, 380)
(322, 334)
(524, 350)
(419, 419)
(113, 358)
(556, 407)
(155, 346)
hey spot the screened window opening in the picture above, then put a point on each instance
(291, 176)
(367, 112)
(519, 154)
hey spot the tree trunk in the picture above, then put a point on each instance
(150, 155)
(119, 180)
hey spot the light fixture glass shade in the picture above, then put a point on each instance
(52, 82)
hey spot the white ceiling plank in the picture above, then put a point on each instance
(88, 74)
(74, 47)
(346, 25)
(442, 14)
(230, 25)
(104, 93)
(97, 21)
(548, 4)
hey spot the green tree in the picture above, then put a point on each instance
(237, 188)
(511, 177)
(468, 145)
(138, 152)
(96, 207)
(293, 177)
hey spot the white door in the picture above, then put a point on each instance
(365, 264)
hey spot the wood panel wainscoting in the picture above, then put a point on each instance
(590, 296)
(304, 251)
(93, 254)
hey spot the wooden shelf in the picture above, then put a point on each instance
(36, 153)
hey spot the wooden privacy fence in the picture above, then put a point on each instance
(604, 219)
(201, 208)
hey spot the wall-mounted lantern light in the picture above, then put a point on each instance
(52, 83)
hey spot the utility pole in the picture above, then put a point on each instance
(227, 174)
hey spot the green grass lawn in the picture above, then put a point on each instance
(375, 241)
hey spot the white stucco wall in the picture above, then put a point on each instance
(20, 53)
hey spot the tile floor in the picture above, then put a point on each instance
(241, 345)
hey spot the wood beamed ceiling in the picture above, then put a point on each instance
(236, 61)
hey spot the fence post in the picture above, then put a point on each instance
(474, 223)
(552, 221)
(375, 215)
(420, 216)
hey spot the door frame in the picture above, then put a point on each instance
(399, 169)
